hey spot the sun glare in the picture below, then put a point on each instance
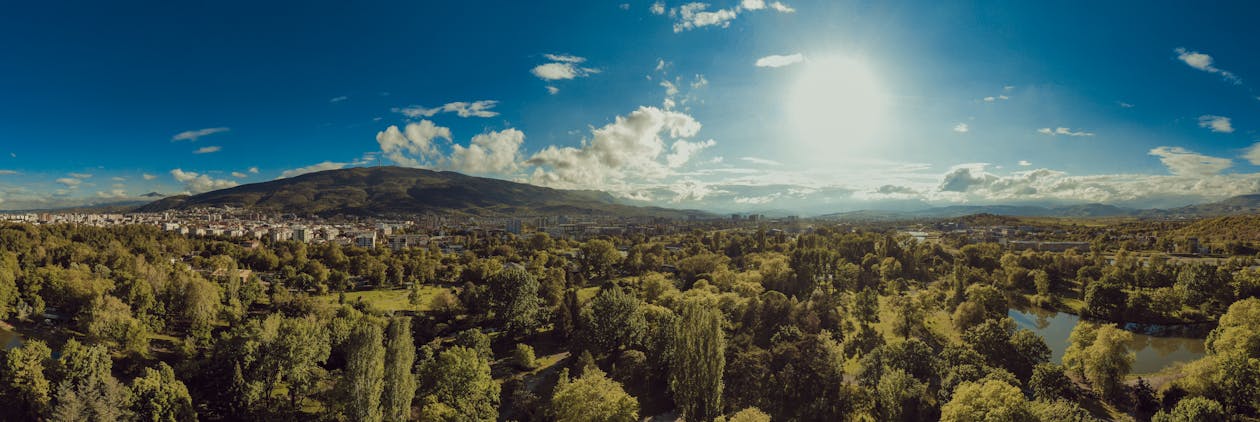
(836, 104)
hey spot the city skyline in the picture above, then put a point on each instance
(749, 105)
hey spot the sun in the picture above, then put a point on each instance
(836, 104)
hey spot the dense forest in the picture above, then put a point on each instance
(132, 323)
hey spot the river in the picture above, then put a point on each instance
(9, 338)
(1154, 353)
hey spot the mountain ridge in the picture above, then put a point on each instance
(382, 191)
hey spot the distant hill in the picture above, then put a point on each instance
(1228, 228)
(1238, 205)
(952, 211)
(383, 191)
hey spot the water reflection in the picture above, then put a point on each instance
(1154, 352)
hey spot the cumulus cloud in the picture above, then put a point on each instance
(489, 153)
(239, 175)
(697, 14)
(463, 109)
(964, 177)
(776, 60)
(207, 149)
(658, 8)
(631, 147)
(1063, 131)
(1219, 124)
(1183, 162)
(253, 170)
(70, 182)
(413, 146)
(194, 135)
(1024, 163)
(562, 67)
(962, 128)
(1205, 63)
(148, 176)
(327, 165)
(552, 90)
(80, 175)
(198, 183)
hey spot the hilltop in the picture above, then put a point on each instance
(379, 191)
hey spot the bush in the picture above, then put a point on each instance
(523, 357)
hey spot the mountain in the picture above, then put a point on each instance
(383, 191)
(1242, 204)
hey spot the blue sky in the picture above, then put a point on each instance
(739, 105)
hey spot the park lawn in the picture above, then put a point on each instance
(390, 300)
(587, 293)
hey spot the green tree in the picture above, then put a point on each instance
(1050, 382)
(457, 386)
(364, 380)
(523, 356)
(1098, 353)
(1193, 409)
(899, 396)
(294, 350)
(990, 400)
(160, 397)
(612, 320)
(109, 319)
(23, 387)
(597, 258)
(698, 353)
(400, 383)
(592, 397)
(514, 299)
(751, 414)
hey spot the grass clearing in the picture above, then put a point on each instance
(390, 300)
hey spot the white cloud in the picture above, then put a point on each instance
(628, 149)
(1253, 154)
(552, 90)
(413, 146)
(782, 8)
(962, 128)
(1024, 163)
(338, 99)
(1219, 124)
(1205, 63)
(194, 135)
(80, 175)
(463, 109)
(253, 170)
(562, 67)
(489, 153)
(1183, 162)
(207, 149)
(776, 60)
(1062, 131)
(70, 182)
(148, 176)
(624, 6)
(8, 172)
(327, 165)
(198, 183)
(658, 8)
(697, 14)
(239, 175)
(1123, 104)
(762, 161)
(699, 82)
